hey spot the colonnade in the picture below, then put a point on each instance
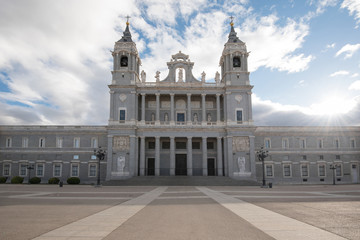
(188, 107)
(189, 156)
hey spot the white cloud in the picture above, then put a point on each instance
(330, 45)
(354, 8)
(268, 113)
(355, 85)
(355, 75)
(273, 46)
(349, 50)
(339, 73)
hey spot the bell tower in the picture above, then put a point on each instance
(235, 76)
(125, 75)
(126, 60)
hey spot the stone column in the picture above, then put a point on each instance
(204, 152)
(142, 156)
(203, 103)
(157, 117)
(218, 108)
(189, 157)
(172, 156)
(252, 156)
(132, 155)
(250, 107)
(109, 157)
(219, 157)
(172, 107)
(230, 157)
(143, 107)
(189, 108)
(112, 105)
(157, 156)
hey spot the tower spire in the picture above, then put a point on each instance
(126, 34)
(232, 35)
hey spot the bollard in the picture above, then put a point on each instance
(61, 183)
(270, 185)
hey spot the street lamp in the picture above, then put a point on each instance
(333, 167)
(100, 155)
(29, 167)
(262, 154)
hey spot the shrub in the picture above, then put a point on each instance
(35, 180)
(73, 180)
(54, 180)
(17, 180)
(3, 179)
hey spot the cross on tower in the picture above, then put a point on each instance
(231, 22)
(127, 19)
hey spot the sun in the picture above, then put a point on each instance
(333, 105)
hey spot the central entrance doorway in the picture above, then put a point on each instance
(180, 165)
(211, 166)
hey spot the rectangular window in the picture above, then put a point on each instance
(180, 145)
(285, 143)
(94, 142)
(76, 142)
(92, 170)
(57, 170)
(239, 116)
(267, 143)
(165, 145)
(321, 157)
(210, 145)
(76, 157)
(74, 170)
(337, 157)
(40, 170)
(8, 142)
(25, 142)
(93, 157)
(180, 117)
(304, 157)
(337, 143)
(41, 142)
(287, 170)
(6, 169)
(322, 170)
(352, 143)
(151, 145)
(304, 170)
(195, 145)
(302, 143)
(122, 115)
(59, 142)
(320, 143)
(338, 170)
(23, 169)
(269, 170)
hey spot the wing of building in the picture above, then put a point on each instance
(180, 125)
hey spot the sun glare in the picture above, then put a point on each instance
(332, 106)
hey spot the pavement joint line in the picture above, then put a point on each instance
(294, 197)
(184, 197)
(274, 224)
(91, 228)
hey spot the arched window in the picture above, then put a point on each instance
(236, 62)
(124, 61)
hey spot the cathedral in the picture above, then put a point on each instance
(182, 126)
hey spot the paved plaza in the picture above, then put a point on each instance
(45, 212)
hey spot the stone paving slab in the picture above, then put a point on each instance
(276, 225)
(94, 224)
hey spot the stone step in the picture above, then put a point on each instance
(180, 181)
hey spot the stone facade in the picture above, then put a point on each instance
(180, 125)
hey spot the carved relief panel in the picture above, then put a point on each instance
(121, 143)
(241, 144)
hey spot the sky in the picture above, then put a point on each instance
(55, 59)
